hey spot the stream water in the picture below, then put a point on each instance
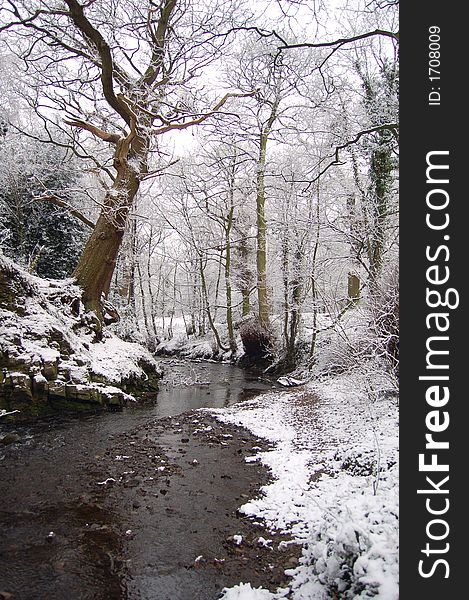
(217, 385)
(62, 538)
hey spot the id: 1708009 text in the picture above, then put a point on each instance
(434, 74)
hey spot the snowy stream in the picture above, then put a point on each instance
(48, 513)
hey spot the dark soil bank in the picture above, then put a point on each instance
(146, 513)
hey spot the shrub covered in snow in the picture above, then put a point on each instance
(352, 550)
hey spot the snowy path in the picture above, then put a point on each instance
(335, 490)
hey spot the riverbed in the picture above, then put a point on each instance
(140, 504)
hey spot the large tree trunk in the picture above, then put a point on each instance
(96, 265)
(381, 170)
(98, 260)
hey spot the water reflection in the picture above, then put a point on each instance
(217, 386)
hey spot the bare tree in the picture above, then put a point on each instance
(275, 81)
(118, 73)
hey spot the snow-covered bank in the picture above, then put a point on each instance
(176, 341)
(49, 348)
(335, 484)
(175, 338)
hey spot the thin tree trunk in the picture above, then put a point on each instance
(193, 303)
(173, 309)
(133, 255)
(217, 286)
(207, 308)
(149, 281)
(297, 294)
(286, 298)
(261, 257)
(353, 282)
(150, 286)
(142, 294)
(314, 291)
(246, 306)
(246, 278)
(229, 299)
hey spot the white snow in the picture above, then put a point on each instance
(4, 412)
(334, 466)
(106, 481)
(116, 360)
(30, 339)
(175, 340)
(244, 591)
(290, 381)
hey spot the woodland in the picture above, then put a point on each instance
(228, 163)
(199, 248)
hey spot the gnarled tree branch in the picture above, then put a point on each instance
(339, 42)
(393, 128)
(112, 138)
(205, 116)
(90, 33)
(68, 207)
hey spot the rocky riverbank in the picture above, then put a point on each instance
(53, 354)
(146, 512)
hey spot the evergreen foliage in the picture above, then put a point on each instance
(42, 237)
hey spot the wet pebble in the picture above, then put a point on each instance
(10, 438)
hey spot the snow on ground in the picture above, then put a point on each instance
(335, 484)
(176, 341)
(244, 591)
(117, 360)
